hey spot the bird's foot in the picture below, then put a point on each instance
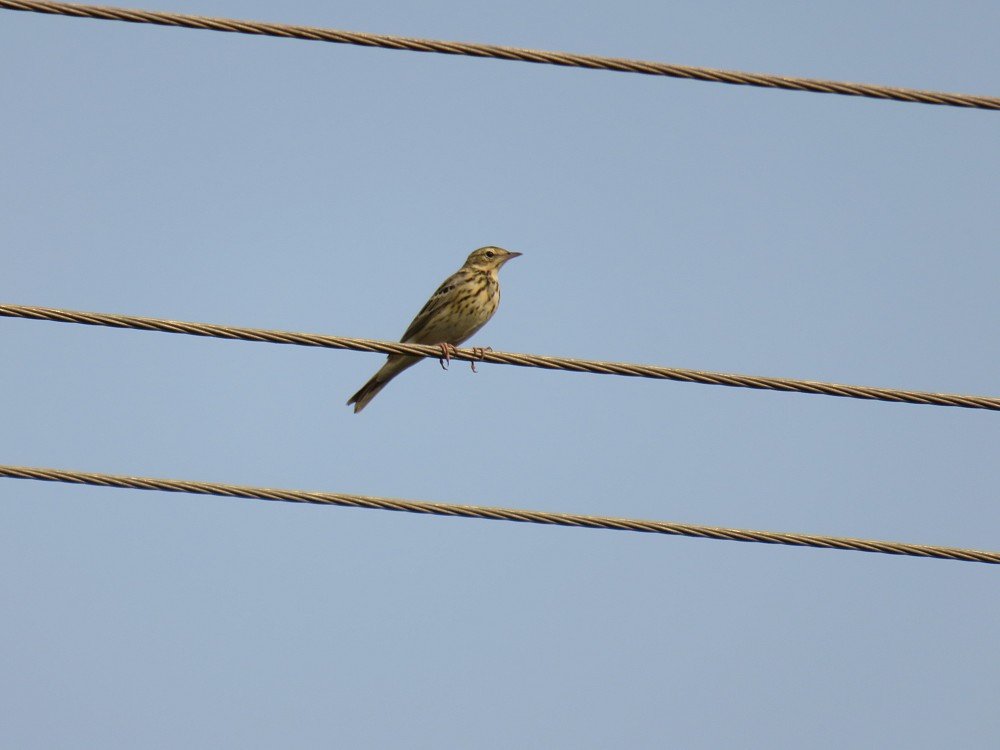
(446, 351)
(481, 353)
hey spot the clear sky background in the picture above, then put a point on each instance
(325, 188)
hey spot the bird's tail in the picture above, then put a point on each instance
(395, 365)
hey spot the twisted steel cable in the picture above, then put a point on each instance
(500, 514)
(566, 59)
(502, 358)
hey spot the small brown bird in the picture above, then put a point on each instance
(462, 305)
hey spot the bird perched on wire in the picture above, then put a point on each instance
(462, 305)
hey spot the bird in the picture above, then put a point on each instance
(462, 305)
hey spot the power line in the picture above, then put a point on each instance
(566, 59)
(500, 514)
(502, 358)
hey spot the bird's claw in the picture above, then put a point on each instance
(481, 353)
(446, 352)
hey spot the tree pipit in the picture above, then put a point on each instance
(462, 305)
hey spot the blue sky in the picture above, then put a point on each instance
(316, 187)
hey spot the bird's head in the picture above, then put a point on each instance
(489, 258)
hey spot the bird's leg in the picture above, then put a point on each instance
(481, 353)
(446, 351)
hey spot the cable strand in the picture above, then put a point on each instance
(596, 367)
(500, 514)
(564, 59)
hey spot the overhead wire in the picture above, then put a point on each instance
(594, 62)
(502, 358)
(500, 514)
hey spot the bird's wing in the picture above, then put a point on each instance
(428, 311)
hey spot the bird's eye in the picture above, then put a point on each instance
(490, 253)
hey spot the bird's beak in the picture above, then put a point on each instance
(513, 255)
